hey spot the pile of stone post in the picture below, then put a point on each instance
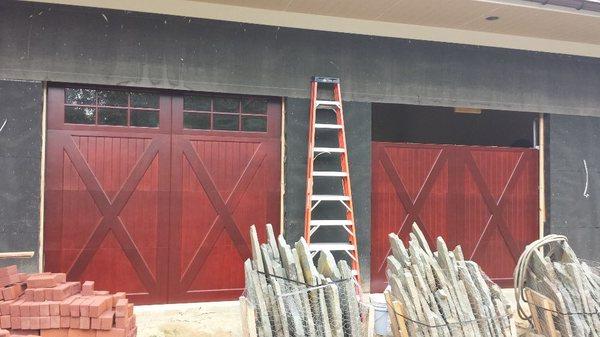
(293, 297)
(572, 285)
(441, 294)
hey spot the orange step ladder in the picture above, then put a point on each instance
(347, 241)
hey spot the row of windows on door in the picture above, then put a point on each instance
(141, 109)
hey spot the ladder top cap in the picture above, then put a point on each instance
(325, 79)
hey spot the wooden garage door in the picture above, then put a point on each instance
(144, 197)
(483, 198)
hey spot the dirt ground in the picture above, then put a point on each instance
(215, 319)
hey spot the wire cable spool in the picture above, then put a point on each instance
(523, 265)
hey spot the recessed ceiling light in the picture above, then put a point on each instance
(492, 18)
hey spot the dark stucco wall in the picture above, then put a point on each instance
(85, 45)
(357, 118)
(20, 158)
(573, 210)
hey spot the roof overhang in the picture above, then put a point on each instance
(521, 24)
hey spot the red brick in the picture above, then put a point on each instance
(100, 305)
(75, 287)
(129, 309)
(54, 333)
(74, 323)
(95, 323)
(121, 308)
(75, 306)
(8, 270)
(34, 323)
(48, 294)
(107, 319)
(111, 333)
(24, 309)
(101, 292)
(34, 309)
(84, 307)
(54, 322)
(84, 323)
(9, 279)
(5, 307)
(60, 292)
(26, 323)
(4, 333)
(45, 322)
(81, 333)
(15, 322)
(23, 277)
(87, 288)
(60, 277)
(12, 292)
(65, 306)
(28, 295)
(5, 322)
(54, 308)
(42, 281)
(44, 309)
(39, 295)
(15, 308)
(65, 322)
(118, 296)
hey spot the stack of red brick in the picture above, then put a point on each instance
(47, 305)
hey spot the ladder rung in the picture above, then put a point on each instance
(331, 246)
(328, 126)
(328, 197)
(330, 222)
(328, 150)
(329, 174)
(328, 103)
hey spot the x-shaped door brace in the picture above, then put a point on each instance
(224, 208)
(110, 211)
(412, 208)
(495, 207)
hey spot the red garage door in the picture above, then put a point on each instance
(153, 194)
(483, 198)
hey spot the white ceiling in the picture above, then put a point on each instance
(515, 18)
(521, 25)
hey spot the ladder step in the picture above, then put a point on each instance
(331, 246)
(328, 197)
(329, 174)
(328, 103)
(330, 222)
(328, 126)
(328, 150)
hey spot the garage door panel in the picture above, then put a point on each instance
(476, 214)
(483, 198)
(109, 252)
(140, 216)
(496, 168)
(147, 206)
(236, 164)
(214, 274)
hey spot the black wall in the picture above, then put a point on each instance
(357, 118)
(20, 158)
(570, 141)
(42, 42)
(441, 125)
(85, 45)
